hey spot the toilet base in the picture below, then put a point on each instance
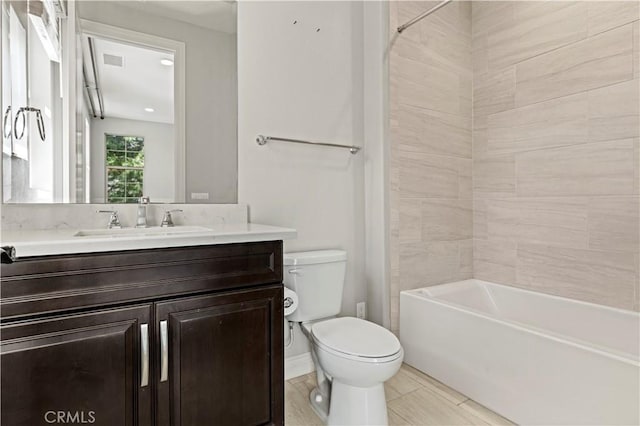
(319, 404)
(351, 405)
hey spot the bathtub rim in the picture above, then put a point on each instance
(524, 290)
(541, 332)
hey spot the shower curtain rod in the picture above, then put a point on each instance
(401, 28)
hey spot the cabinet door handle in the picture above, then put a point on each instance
(164, 352)
(144, 355)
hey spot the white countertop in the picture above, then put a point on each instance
(64, 241)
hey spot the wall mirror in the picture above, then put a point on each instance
(106, 101)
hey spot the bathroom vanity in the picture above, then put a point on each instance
(188, 335)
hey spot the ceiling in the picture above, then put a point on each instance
(218, 15)
(140, 82)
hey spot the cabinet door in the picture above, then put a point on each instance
(220, 359)
(85, 368)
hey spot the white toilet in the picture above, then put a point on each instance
(353, 357)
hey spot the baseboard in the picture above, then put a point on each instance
(298, 365)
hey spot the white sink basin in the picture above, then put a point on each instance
(140, 232)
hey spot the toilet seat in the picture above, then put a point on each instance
(361, 359)
(356, 339)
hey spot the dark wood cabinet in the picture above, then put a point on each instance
(188, 336)
(220, 357)
(85, 366)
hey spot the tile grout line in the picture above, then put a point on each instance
(399, 415)
(462, 402)
(490, 156)
(560, 97)
(564, 46)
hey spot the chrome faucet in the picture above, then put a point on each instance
(114, 221)
(141, 221)
(167, 220)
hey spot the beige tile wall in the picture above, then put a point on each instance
(515, 147)
(555, 148)
(431, 133)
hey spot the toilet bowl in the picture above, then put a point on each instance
(358, 357)
(353, 357)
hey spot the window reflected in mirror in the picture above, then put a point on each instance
(124, 168)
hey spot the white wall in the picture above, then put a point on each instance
(159, 149)
(211, 98)
(376, 153)
(295, 81)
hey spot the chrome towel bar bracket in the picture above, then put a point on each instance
(262, 140)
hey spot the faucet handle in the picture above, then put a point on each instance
(144, 200)
(114, 220)
(167, 220)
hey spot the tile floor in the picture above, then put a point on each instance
(413, 398)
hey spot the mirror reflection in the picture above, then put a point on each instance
(139, 99)
(128, 109)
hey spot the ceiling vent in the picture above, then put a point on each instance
(113, 60)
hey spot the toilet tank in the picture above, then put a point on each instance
(318, 279)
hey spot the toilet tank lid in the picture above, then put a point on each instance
(314, 257)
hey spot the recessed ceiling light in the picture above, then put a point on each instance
(149, 109)
(166, 62)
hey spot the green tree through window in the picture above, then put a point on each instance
(125, 168)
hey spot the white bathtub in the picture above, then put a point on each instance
(533, 358)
